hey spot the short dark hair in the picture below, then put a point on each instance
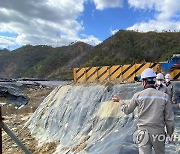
(150, 80)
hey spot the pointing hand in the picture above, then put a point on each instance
(116, 98)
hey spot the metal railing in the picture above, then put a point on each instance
(11, 134)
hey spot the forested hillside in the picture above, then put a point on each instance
(127, 47)
(122, 48)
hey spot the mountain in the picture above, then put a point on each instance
(41, 61)
(127, 47)
(124, 47)
(3, 50)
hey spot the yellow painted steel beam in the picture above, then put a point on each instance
(124, 69)
(114, 71)
(92, 74)
(175, 74)
(103, 73)
(81, 75)
(137, 69)
(75, 75)
(126, 73)
(123, 72)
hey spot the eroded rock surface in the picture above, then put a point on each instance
(85, 120)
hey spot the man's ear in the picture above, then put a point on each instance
(144, 83)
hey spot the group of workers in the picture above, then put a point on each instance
(165, 85)
(155, 113)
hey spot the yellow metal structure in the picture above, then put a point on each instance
(121, 72)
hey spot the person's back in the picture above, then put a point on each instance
(151, 105)
(169, 87)
(162, 87)
(154, 113)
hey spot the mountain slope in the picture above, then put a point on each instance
(124, 47)
(128, 46)
(39, 61)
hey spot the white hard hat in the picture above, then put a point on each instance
(167, 76)
(148, 73)
(160, 76)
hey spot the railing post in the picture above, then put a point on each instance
(14, 137)
(1, 119)
(11, 134)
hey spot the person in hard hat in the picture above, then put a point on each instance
(154, 114)
(169, 86)
(160, 83)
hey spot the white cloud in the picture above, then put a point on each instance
(6, 42)
(142, 4)
(166, 10)
(91, 39)
(114, 31)
(154, 25)
(51, 22)
(54, 22)
(102, 4)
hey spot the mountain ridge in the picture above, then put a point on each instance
(124, 47)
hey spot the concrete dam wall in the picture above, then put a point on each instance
(85, 120)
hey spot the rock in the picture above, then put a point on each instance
(85, 120)
(14, 146)
(13, 95)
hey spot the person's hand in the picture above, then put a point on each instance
(173, 101)
(116, 98)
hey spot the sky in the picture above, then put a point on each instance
(61, 22)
